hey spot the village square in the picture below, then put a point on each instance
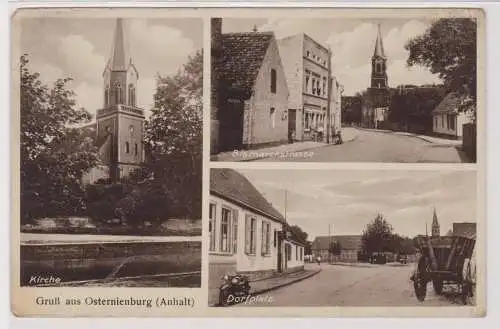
(335, 238)
(288, 91)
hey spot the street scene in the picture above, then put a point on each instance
(344, 90)
(341, 238)
(110, 190)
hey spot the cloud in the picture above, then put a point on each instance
(80, 61)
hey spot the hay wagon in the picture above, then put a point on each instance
(445, 260)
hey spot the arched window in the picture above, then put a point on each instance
(379, 68)
(131, 95)
(118, 93)
(106, 96)
(127, 147)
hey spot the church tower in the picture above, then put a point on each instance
(379, 64)
(435, 225)
(120, 123)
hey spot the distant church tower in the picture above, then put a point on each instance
(376, 106)
(435, 225)
(379, 64)
(120, 123)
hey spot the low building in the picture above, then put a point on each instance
(350, 247)
(447, 119)
(465, 229)
(252, 92)
(246, 233)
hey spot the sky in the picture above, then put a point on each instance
(352, 42)
(80, 47)
(348, 200)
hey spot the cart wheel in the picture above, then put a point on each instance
(438, 286)
(420, 289)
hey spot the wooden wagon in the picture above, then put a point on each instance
(445, 260)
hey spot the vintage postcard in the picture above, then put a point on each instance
(349, 89)
(248, 162)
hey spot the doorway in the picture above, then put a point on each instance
(292, 120)
(231, 126)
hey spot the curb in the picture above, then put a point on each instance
(400, 133)
(301, 150)
(259, 292)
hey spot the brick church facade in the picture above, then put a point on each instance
(119, 126)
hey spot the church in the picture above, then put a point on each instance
(376, 102)
(119, 128)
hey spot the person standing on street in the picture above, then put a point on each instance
(318, 260)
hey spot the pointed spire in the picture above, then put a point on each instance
(379, 45)
(434, 218)
(120, 57)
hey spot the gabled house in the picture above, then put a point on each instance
(447, 119)
(246, 233)
(252, 95)
(350, 246)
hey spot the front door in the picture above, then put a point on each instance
(280, 252)
(292, 119)
(231, 126)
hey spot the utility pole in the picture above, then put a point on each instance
(328, 106)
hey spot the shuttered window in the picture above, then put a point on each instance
(250, 238)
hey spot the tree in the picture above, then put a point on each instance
(448, 48)
(378, 236)
(174, 136)
(301, 237)
(54, 154)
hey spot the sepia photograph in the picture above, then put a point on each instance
(345, 238)
(111, 151)
(398, 89)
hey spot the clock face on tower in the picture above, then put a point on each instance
(108, 129)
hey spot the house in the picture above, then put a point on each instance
(350, 247)
(447, 119)
(246, 233)
(252, 95)
(307, 66)
(119, 128)
(465, 229)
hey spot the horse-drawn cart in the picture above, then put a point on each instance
(445, 260)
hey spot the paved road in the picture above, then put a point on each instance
(370, 146)
(373, 285)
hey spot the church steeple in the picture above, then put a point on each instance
(435, 225)
(120, 121)
(120, 57)
(379, 46)
(379, 67)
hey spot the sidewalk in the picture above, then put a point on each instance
(429, 139)
(262, 286)
(281, 152)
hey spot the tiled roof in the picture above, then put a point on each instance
(464, 229)
(242, 56)
(232, 185)
(449, 103)
(347, 242)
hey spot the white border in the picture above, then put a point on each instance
(492, 151)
